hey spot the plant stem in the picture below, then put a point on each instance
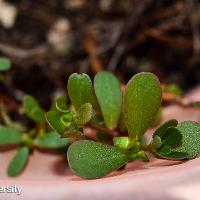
(146, 147)
(184, 102)
(102, 129)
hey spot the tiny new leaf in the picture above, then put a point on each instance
(58, 120)
(61, 104)
(32, 109)
(157, 142)
(163, 128)
(18, 162)
(84, 114)
(142, 100)
(164, 144)
(121, 142)
(79, 89)
(9, 136)
(91, 160)
(172, 137)
(107, 90)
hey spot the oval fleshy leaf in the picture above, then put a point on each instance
(33, 109)
(19, 161)
(61, 104)
(163, 128)
(9, 136)
(79, 89)
(91, 160)
(57, 120)
(84, 114)
(142, 99)
(5, 64)
(107, 90)
(191, 138)
(51, 140)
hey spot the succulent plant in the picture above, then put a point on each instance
(108, 111)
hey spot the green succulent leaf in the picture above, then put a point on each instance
(5, 64)
(91, 160)
(84, 114)
(19, 161)
(9, 136)
(79, 89)
(157, 118)
(163, 128)
(33, 110)
(122, 124)
(59, 121)
(61, 104)
(172, 137)
(174, 155)
(190, 132)
(142, 100)
(108, 93)
(51, 140)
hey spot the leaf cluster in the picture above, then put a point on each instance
(103, 107)
(118, 119)
(16, 135)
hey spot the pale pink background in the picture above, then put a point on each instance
(47, 176)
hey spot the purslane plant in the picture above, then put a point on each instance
(105, 109)
(104, 125)
(15, 134)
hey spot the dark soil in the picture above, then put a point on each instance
(125, 37)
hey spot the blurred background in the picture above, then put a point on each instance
(48, 40)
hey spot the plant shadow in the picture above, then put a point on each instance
(61, 168)
(137, 166)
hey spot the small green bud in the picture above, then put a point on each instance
(141, 155)
(122, 142)
(66, 119)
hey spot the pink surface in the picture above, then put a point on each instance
(47, 177)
